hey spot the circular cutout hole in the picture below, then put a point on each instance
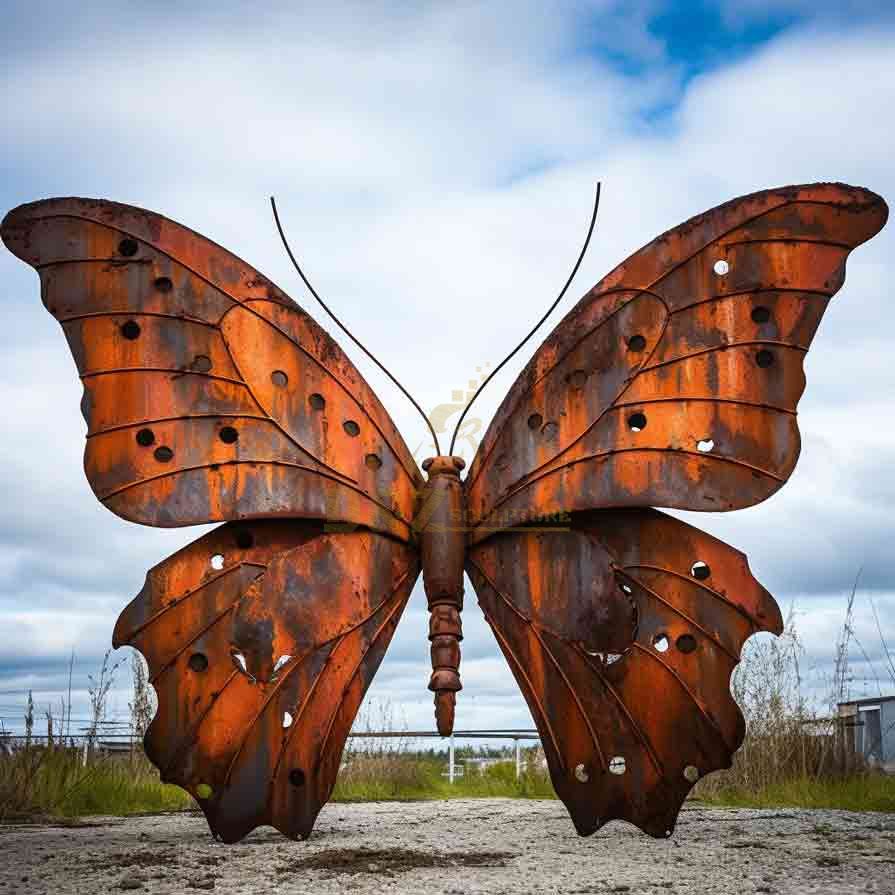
(535, 421)
(578, 378)
(636, 343)
(201, 363)
(297, 777)
(661, 643)
(228, 435)
(163, 454)
(128, 247)
(721, 267)
(761, 315)
(203, 791)
(217, 561)
(351, 428)
(626, 588)
(691, 773)
(617, 765)
(581, 774)
(764, 358)
(279, 379)
(317, 402)
(287, 719)
(244, 539)
(145, 437)
(705, 445)
(637, 422)
(700, 570)
(130, 329)
(686, 643)
(198, 662)
(163, 284)
(372, 461)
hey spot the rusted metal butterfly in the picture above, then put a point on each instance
(211, 396)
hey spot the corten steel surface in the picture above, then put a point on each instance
(210, 396)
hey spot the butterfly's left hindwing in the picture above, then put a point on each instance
(261, 640)
(622, 632)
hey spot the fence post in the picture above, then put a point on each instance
(451, 760)
(49, 732)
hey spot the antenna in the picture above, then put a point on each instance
(537, 326)
(345, 329)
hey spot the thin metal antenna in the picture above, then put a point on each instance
(345, 329)
(537, 326)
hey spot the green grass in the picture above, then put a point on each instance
(385, 778)
(37, 783)
(863, 792)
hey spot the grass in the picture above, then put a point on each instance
(862, 792)
(389, 777)
(37, 782)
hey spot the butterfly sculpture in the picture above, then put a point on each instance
(210, 396)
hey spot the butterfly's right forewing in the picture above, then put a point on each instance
(674, 381)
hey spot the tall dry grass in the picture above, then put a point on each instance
(796, 751)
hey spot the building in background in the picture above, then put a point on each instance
(870, 728)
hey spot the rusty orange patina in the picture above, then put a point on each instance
(209, 395)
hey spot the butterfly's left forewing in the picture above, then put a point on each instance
(209, 395)
(261, 640)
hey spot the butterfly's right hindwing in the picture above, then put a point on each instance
(622, 632)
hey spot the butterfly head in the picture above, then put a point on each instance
(434, 466)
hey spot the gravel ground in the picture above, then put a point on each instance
(458, 847)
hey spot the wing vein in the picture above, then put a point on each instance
(290, 668)
(692, 696)
(689, 579)
(173, 604)
(396, 453)
(657, 596)
(639, 732)
(555, 662)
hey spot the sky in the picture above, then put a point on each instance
(434, 165)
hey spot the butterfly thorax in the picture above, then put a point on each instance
(439, 524)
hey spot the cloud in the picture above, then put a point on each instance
(434, 167)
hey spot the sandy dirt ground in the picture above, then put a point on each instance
(484, 845)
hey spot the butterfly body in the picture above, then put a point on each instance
(210, 396)
(442, 540)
